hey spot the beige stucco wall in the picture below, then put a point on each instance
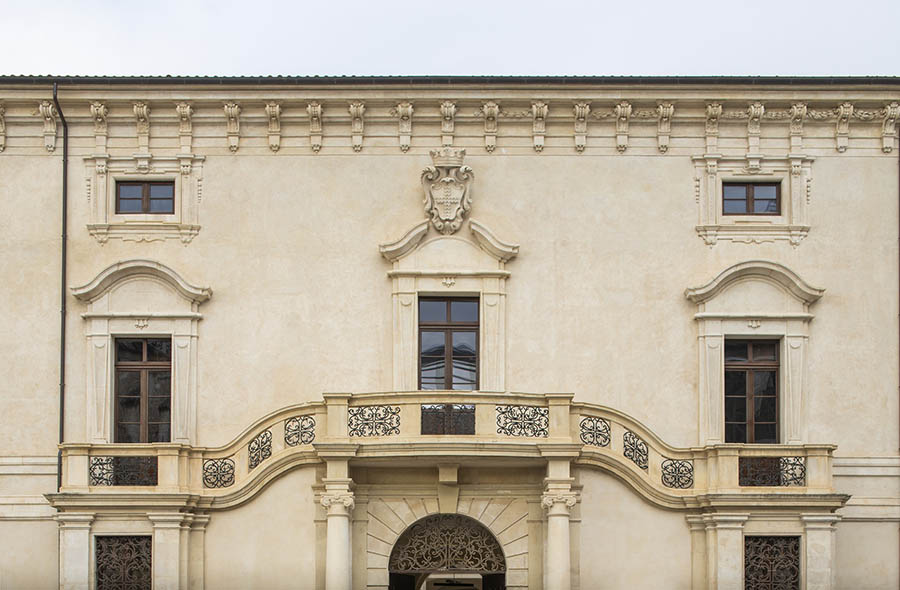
(28, 555)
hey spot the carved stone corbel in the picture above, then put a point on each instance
(623, 116)
(448, 114)
(233, 125)
(273, 114)
(357, 110)
(798, 115)
(2, 127)
(404, 130)
(491, 111)
(713, 112)
(99, 114)
(142, 123)
(48, 113)
(447, 185)
(842, 129)
(185, 126)
(582, 111)
(539, 111)
(664, 110)
(755, 112)
(314, 110)
(889, 126)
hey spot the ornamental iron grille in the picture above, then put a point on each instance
(677, 474)
(123, 471)
(530, 421)
(771, 471)
(218, 473)
(447, 542)
(595, 431)
(124, 562)
(374, 421)
(260, 448)
(635, 449)
(448, 419)
(771, 563)
(299, 430)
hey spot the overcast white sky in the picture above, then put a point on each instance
(399, 37)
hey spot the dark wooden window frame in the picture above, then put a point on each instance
(144, 367)
(448, 328)
(145, 196)
(750, 366)
(749, 202)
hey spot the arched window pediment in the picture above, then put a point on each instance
(116, 274)
(760, 271)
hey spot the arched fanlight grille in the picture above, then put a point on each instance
(447, 542)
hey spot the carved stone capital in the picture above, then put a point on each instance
(447, 184)
(549, 499)
(343, 502)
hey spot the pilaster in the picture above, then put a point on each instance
(74, 550)
(167, 558)
(820, 550)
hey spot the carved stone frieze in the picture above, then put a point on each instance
(357, 110)
(623, 115)
(273, 115)
(842, 129)
(2, 127)
(447, 185)
(49, 114)
(448, 123)
(582, 112)
(314, 110)
(404, 130)
(889, 126)
(233, 125)
(665, 111)
(491, 112)
(539, 111)
(713, 113)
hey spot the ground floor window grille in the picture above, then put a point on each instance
(124, 562)
(771, 563)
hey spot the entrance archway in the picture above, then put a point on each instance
(446, 543)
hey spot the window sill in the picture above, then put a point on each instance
(750, 230)
(144, 230)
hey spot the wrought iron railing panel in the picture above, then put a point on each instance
(123, 471)
(123, 562)
(595, 431)
(260, 448)
(635, 449)
(448, 419)
(447, 542)
(677, 474)
(218, 473)
(771, 471)
(529, 421)
(299, 430)
(374, 421)
(771, 563)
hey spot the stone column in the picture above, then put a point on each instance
(167, 557)
(725, 550)
(74, 550)
(338, 503)
(558, 557)
(820, 539)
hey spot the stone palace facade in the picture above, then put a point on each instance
(431, 333)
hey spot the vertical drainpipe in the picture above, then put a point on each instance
(62, 290)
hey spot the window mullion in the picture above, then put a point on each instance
(751, 422)
(448, 356)
(145, 406)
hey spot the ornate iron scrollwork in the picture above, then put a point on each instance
(771, 471)
(218, 473)
(447, 542)
(635, 449)
(448, 418)
(677, 474)
(530, 421)
(595, 431)
(124, 562)
(771, 563)
(123, 471)
(374, 421)
(260, 448)
(299, 430)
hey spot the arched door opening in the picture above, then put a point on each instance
(447, 552)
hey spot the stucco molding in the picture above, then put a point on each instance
(110, 276)
(761, 269)
(492, 244)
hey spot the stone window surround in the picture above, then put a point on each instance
(102, 171)
(789, 327)
(793, 172)
(103, 324)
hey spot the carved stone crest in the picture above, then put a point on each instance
(447, 185)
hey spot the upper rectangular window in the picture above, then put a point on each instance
(751, 198)
(751, 391)
(143, 390)
(145, 197)
(448, 343)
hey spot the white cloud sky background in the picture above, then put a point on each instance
(399, 37)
